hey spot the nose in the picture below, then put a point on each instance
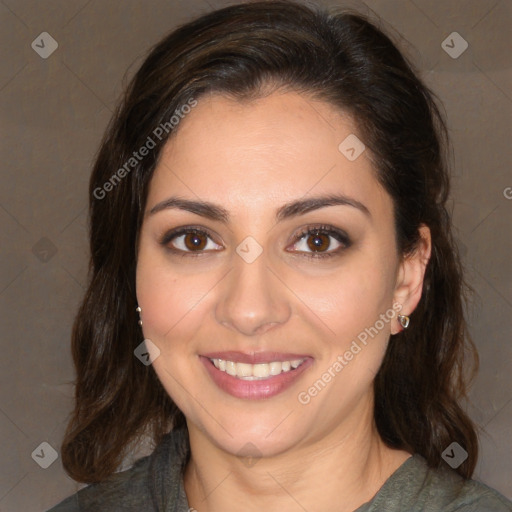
(252, 298)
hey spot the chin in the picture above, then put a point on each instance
(263, 436)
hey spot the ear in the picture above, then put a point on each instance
(410, 275)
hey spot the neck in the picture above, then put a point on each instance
(345, 468)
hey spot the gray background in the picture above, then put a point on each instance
(53, 113)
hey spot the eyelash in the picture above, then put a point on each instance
(338, 235)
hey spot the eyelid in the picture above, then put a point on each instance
(174, 232)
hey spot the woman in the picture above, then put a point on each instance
(268, 212)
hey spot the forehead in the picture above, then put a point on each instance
(259, 154)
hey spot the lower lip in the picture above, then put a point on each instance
(254, 389)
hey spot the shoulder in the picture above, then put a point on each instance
(416, 487)
(445, 487)
(138, 488)
(473, 496)
(128, 488)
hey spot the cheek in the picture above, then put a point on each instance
(171, 304)
(172, 313)
(348, 299)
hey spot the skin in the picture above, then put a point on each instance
(250, 159)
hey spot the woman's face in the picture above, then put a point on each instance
(246, 287)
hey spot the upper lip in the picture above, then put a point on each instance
(255, 357)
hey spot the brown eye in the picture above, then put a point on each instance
(194, 241)
(321, 241)
(186, 241)
(318, 242)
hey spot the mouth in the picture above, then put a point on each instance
(255, 376)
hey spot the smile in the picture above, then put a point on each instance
(255, 376)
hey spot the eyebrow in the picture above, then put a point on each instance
(288, 210)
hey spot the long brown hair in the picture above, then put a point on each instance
(340, 57)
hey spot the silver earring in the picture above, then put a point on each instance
(404, 321)
(138, 309)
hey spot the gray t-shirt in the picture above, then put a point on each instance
(155, 484)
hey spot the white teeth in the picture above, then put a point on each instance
(275, 368)
(230, 368)
(258, 371)
(261, 370)
(243, 369)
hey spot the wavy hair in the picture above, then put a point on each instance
(337, 56)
